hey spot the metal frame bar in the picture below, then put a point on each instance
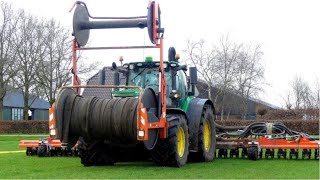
(116, 47)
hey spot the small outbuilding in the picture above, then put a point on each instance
(13, 107)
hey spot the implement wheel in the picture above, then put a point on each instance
(206, 137)
(173, 151)
(29, 151)
(42, 151)
(253, 153)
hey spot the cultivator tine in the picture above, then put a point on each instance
(306, 153)
(244, 153)
(282, 153)
(269, 152)
(294, 153)
(234, 153)
(223, 153)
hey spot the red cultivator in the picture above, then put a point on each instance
(266, 140)
(47, 147)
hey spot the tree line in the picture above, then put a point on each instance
(35, 56)
(303, 95)
(235, 69)
(236, 73)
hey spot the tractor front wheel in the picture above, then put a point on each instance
(173, 151)
(206, 137)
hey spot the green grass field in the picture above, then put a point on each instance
(18, 165)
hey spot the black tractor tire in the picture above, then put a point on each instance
(94, 153)
(206, 150)
(166, 151)
(253, 153)
(42, 151)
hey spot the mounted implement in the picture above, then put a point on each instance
(266, 140)
(154, 115)
(44, 147)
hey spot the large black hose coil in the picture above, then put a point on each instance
(111, 119)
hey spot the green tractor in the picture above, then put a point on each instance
(155, 115)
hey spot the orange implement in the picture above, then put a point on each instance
(300, 142)
(28, 143)
(35, 143)
(54, 143)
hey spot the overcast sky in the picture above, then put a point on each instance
(288, 30)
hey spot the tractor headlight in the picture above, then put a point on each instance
(141, 133)
(52, 132)
(173, 65)
(126, 66)
(131, 66)
(165, 65)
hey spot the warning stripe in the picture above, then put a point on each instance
(9, 152)
(142, 122)
(51, 119)
(143, 117)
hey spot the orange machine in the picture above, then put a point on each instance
(261, 139)
(47, 146)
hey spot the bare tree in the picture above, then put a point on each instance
(227, 54)
(316, 95)
(288, 101)
(205, 61)
(54, 69)
(300, 89)
(30, 50)
(249, 74)
(8, 21)
(233, 69)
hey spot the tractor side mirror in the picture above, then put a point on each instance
(193, 75)
(193, 80)
(116, 76)
(101, 76)
(116, 79)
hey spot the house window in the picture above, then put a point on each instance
(17, 114)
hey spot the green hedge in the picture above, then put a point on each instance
(25, 127)
(305, 126)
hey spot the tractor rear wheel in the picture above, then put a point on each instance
(94, 153)
(206, 137)
(173, 151)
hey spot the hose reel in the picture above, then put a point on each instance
(82, 23)
(114, 120)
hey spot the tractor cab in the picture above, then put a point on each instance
(146, 75)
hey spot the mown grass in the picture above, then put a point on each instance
(18, 165)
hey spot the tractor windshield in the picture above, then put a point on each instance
(147, 78)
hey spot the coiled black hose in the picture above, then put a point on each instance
(110, 119)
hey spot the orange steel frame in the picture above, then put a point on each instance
(56, 143)
(142, 119)
(299, 143)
